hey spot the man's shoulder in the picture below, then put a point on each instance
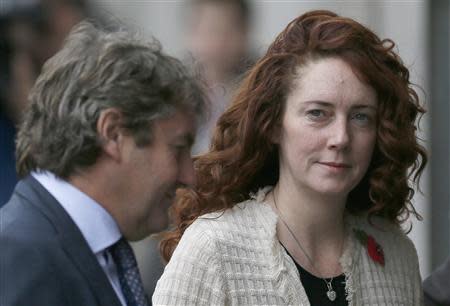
(20, 215)
(36, 265)
(35, 251)
(26, 238)
(27, 235)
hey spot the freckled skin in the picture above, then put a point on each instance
(328, 130)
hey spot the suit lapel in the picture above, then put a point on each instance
(72, 241)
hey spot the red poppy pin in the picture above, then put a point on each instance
(373, 248)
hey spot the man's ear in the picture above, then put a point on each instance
(110, 132)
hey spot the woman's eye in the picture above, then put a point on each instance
(316, 114)
(362, 118)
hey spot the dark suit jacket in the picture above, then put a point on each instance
(44, 259)
(437, 286)
(8, 177)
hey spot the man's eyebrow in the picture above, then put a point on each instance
(187, 138)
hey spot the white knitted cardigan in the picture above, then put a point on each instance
(235, 258)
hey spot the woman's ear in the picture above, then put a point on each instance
(275, 134)
(110, 132)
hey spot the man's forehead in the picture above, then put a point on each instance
(180, 125)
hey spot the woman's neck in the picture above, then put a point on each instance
(317, 222)
(314, 213)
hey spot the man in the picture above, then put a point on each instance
(437, 286)
(217, 36)
(101, 151)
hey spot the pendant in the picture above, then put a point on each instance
(331, 294)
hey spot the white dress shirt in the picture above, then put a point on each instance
(97, 226)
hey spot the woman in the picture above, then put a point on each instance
(328, 118)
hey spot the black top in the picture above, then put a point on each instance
(316, 288)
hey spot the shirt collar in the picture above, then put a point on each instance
(97, 226)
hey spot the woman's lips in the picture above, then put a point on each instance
(336, 165)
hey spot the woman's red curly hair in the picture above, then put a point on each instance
(242, 157)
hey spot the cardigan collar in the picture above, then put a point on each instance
(349, 260)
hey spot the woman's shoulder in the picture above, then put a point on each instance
(250, 217)
(383, 259)
(390, 236)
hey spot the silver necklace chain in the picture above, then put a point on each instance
(331, 293)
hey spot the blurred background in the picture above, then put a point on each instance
(223, 38)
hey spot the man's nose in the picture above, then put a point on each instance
(186, 175)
